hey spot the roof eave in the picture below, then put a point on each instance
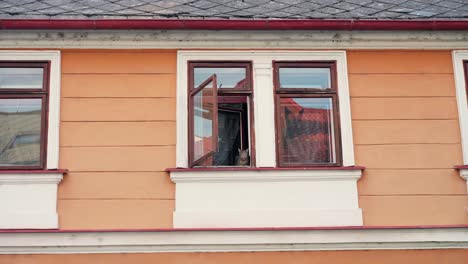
(229, 24)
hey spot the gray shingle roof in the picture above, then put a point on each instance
(234, 9)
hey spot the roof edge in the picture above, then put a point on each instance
(231, 24)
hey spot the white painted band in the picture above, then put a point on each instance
(232, 241)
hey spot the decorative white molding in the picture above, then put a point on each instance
(225, 39)
(264, 110)
(232, 241)
(266, 198)
(458, 57)
(31, 178)
(54, 95)
(464, 175)
(29, 200)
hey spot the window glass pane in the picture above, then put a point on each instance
(307, 131)
(226, 77)
(21, 78)
(203, 122)
(20, 130)
(300, 78)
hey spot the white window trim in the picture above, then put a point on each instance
(460, 84)
(264, 107)
(54, 96)
(270, 197)
(32, 196)
(458, 57)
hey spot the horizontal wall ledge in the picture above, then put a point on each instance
(64, 242)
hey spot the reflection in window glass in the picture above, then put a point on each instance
(307, 131)
(301, 78)
(226, 77)
(21, 78)
(203, 122)
(20, 130)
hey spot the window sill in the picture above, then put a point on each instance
(265, 168)
(35, 196)
(259, 197)
(463, 173)
(243, 174)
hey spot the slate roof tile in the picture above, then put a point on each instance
(235, 9)
(380, 5)
(346, 6)
(450, 4)
(360, 2)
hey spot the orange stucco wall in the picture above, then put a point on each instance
(118, 136)
(406, 133)
(454, 256)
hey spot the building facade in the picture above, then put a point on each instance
(259, 140)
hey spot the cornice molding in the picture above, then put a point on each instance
(266, 39)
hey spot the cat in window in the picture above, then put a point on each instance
(243, 157)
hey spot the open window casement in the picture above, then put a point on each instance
(204, 124)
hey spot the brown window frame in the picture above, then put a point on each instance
(43, 94)
(222, 94)
(331, 92)
(224, 64)
(195, 91)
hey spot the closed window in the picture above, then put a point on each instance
(307, 117)
(23, 109)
